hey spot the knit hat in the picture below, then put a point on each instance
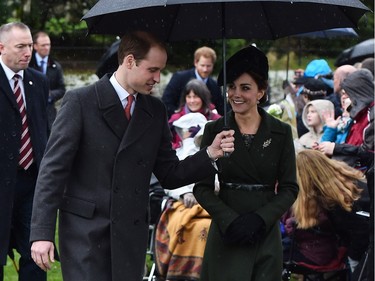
(315, 89)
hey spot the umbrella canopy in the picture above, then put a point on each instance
(329, 33)
(357, 53)
(174, 20)
(108, 62)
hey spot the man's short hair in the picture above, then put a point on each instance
(206, 52)
(138, 43)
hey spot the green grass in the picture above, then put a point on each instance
(10, 273)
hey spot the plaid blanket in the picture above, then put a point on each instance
(180, 240)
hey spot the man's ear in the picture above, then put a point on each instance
(129, 61)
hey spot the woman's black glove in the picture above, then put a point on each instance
(247, 229)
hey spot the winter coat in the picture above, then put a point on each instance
(360, 88)
(36, 95)
(96, 172)
(270, 160)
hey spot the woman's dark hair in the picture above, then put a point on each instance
(200, 89)
(262, 85)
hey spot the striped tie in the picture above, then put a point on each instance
(26, 150)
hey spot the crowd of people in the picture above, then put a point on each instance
(325, 228)
(247, 192)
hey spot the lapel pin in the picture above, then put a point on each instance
(267, 143)
(30, 83)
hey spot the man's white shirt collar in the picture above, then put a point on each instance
(10, 73)
(121, 92)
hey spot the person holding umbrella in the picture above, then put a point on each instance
(258, 181)
(107, 140)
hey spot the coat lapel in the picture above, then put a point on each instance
(114, 116)
(250, 159)
(6, 89)
(30, 91)
(110, 104)
(140, 122)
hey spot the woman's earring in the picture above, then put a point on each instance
(258, 101)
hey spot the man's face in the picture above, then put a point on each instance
(204, 66)
(42, 45)
(144, 74)
(16, 49)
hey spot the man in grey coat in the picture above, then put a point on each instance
(97, 167)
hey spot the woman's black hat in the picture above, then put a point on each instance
(248, 59)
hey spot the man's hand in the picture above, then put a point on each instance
(223, 142)
(326, 147)
(42, 253)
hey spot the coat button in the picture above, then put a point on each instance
(116, 189)
(136, 222)
(114, 221)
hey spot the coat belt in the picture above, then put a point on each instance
(247, 187)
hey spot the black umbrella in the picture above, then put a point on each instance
(108, 63)
(214, 19)
(174, 20)
(329, 33)
(321, 34)
(357, 53)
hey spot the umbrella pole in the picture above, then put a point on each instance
(225, 84)
(226, 127)
(287, 61)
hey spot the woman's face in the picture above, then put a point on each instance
(193, 102)
(312, 117)
(243, 94)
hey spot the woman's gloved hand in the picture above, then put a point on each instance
(247, 229)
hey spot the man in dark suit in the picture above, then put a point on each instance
(204, 60)
(42, 61)
(24, 132)
(97, 167)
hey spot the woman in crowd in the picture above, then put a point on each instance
(257, 182)
(181, 232)
(195, 98)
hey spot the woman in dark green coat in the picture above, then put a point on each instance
(257, 182)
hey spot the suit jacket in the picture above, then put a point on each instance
(172, 93)
(36, 93)
(55, 76)
(270, 160)
(96, 171)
